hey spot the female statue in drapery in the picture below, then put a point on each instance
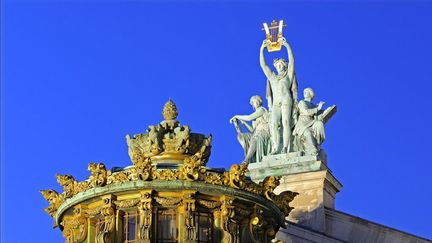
(309, 130)
(256, 141)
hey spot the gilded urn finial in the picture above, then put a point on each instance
(169, 111)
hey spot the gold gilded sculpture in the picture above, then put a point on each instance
(274, 35)
(169, 141)
(168, 194)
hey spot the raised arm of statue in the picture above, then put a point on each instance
(290, 59)
(305, 110)
(257, 113)
(294, 89)
(266, 69)
(269, 95)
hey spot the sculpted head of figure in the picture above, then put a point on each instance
(280, 64)
(308, 94)
(256, 101)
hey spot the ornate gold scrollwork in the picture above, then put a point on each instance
(236, 176)
(142, 170)
(54, 199)
(107, 226)
(191, 169)
(118, 177)
(75, 226)
(230, 234)
(166, 175)
(269, 185)
(214, 178)
(98, 174)
(256, 221)
(69, 184)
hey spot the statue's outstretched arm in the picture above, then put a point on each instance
(258, 113)
(266, 69)
(290, 58)
(305, 110)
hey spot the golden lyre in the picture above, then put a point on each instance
(274, 35)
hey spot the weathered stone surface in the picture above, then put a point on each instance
(342, 227)
(316, 190)
(286, 164)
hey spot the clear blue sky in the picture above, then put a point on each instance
(77, 76)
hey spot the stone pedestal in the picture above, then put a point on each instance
(307, 175)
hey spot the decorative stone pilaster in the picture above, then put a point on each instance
(187, 210)
(105, 234)
(145, 216)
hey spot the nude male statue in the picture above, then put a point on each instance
(282, 97)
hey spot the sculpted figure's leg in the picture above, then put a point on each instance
(309, 145)
(251, 151)
(274, 128)
(286, 126)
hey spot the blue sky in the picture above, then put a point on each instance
(77, 76)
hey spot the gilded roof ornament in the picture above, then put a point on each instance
(169, 111)
(169, 142)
